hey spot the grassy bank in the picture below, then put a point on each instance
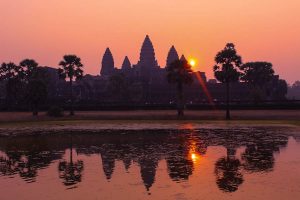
(155, 115)
(134, 118)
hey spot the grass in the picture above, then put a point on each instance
(19, 124)
(98, 118)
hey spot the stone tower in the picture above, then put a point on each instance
(126, 64)
(172, 56)
(182, 58)
(147, 55)
(107, 68)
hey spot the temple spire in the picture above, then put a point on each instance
(147, 55)
(172, 56)
(182, 58)
(107, 63)
(126, 64)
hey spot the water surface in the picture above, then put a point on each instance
(209, 163)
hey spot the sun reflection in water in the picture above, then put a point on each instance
(193, 154)
(194, 157)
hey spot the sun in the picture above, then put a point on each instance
(192, 62)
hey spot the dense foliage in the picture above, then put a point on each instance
(227, 69)
(179, 73)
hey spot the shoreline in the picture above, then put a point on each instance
(108, 126)
(23, 123)
(206, 115)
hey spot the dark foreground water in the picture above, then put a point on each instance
(235, 163)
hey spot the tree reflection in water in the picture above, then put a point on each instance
(179, 162)
(69, 171)
(26, 156)
(228, 172)
(259, 155)
(180, 148)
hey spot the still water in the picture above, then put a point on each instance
(224, 163)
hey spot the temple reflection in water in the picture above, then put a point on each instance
(247, 151)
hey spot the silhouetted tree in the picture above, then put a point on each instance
(10, 74)
(71, 67)
(36, 94)
(24, 79)
(277, 89)
(9, 70)
(257, 74)
(179, 72)
(226, 69)
(29, 68)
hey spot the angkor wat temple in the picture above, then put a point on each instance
(144, 83)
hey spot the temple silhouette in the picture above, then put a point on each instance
(145, 83)
(148, 76)
(147, 68)
(142, 84)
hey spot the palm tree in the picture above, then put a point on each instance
(71, 67)
(179, 72)
(226, 69)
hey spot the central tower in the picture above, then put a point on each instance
(147, 55)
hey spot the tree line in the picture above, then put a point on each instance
(228, 69)
(28, 81)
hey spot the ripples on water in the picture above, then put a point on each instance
(158, 164)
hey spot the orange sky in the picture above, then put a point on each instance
(263, 30)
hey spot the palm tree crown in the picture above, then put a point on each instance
(179, 72)
(227, 65)
(71, 67)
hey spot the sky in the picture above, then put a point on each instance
(45, 30)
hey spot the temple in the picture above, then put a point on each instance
(144, 84)
(107, 68)
(146, 74)
(146, 68)
(172, 56)
(126, 64)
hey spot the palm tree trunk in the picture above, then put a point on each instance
(180, 106)
(71, 97)
(227, 101)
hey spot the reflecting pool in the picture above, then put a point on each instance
(209, 163)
